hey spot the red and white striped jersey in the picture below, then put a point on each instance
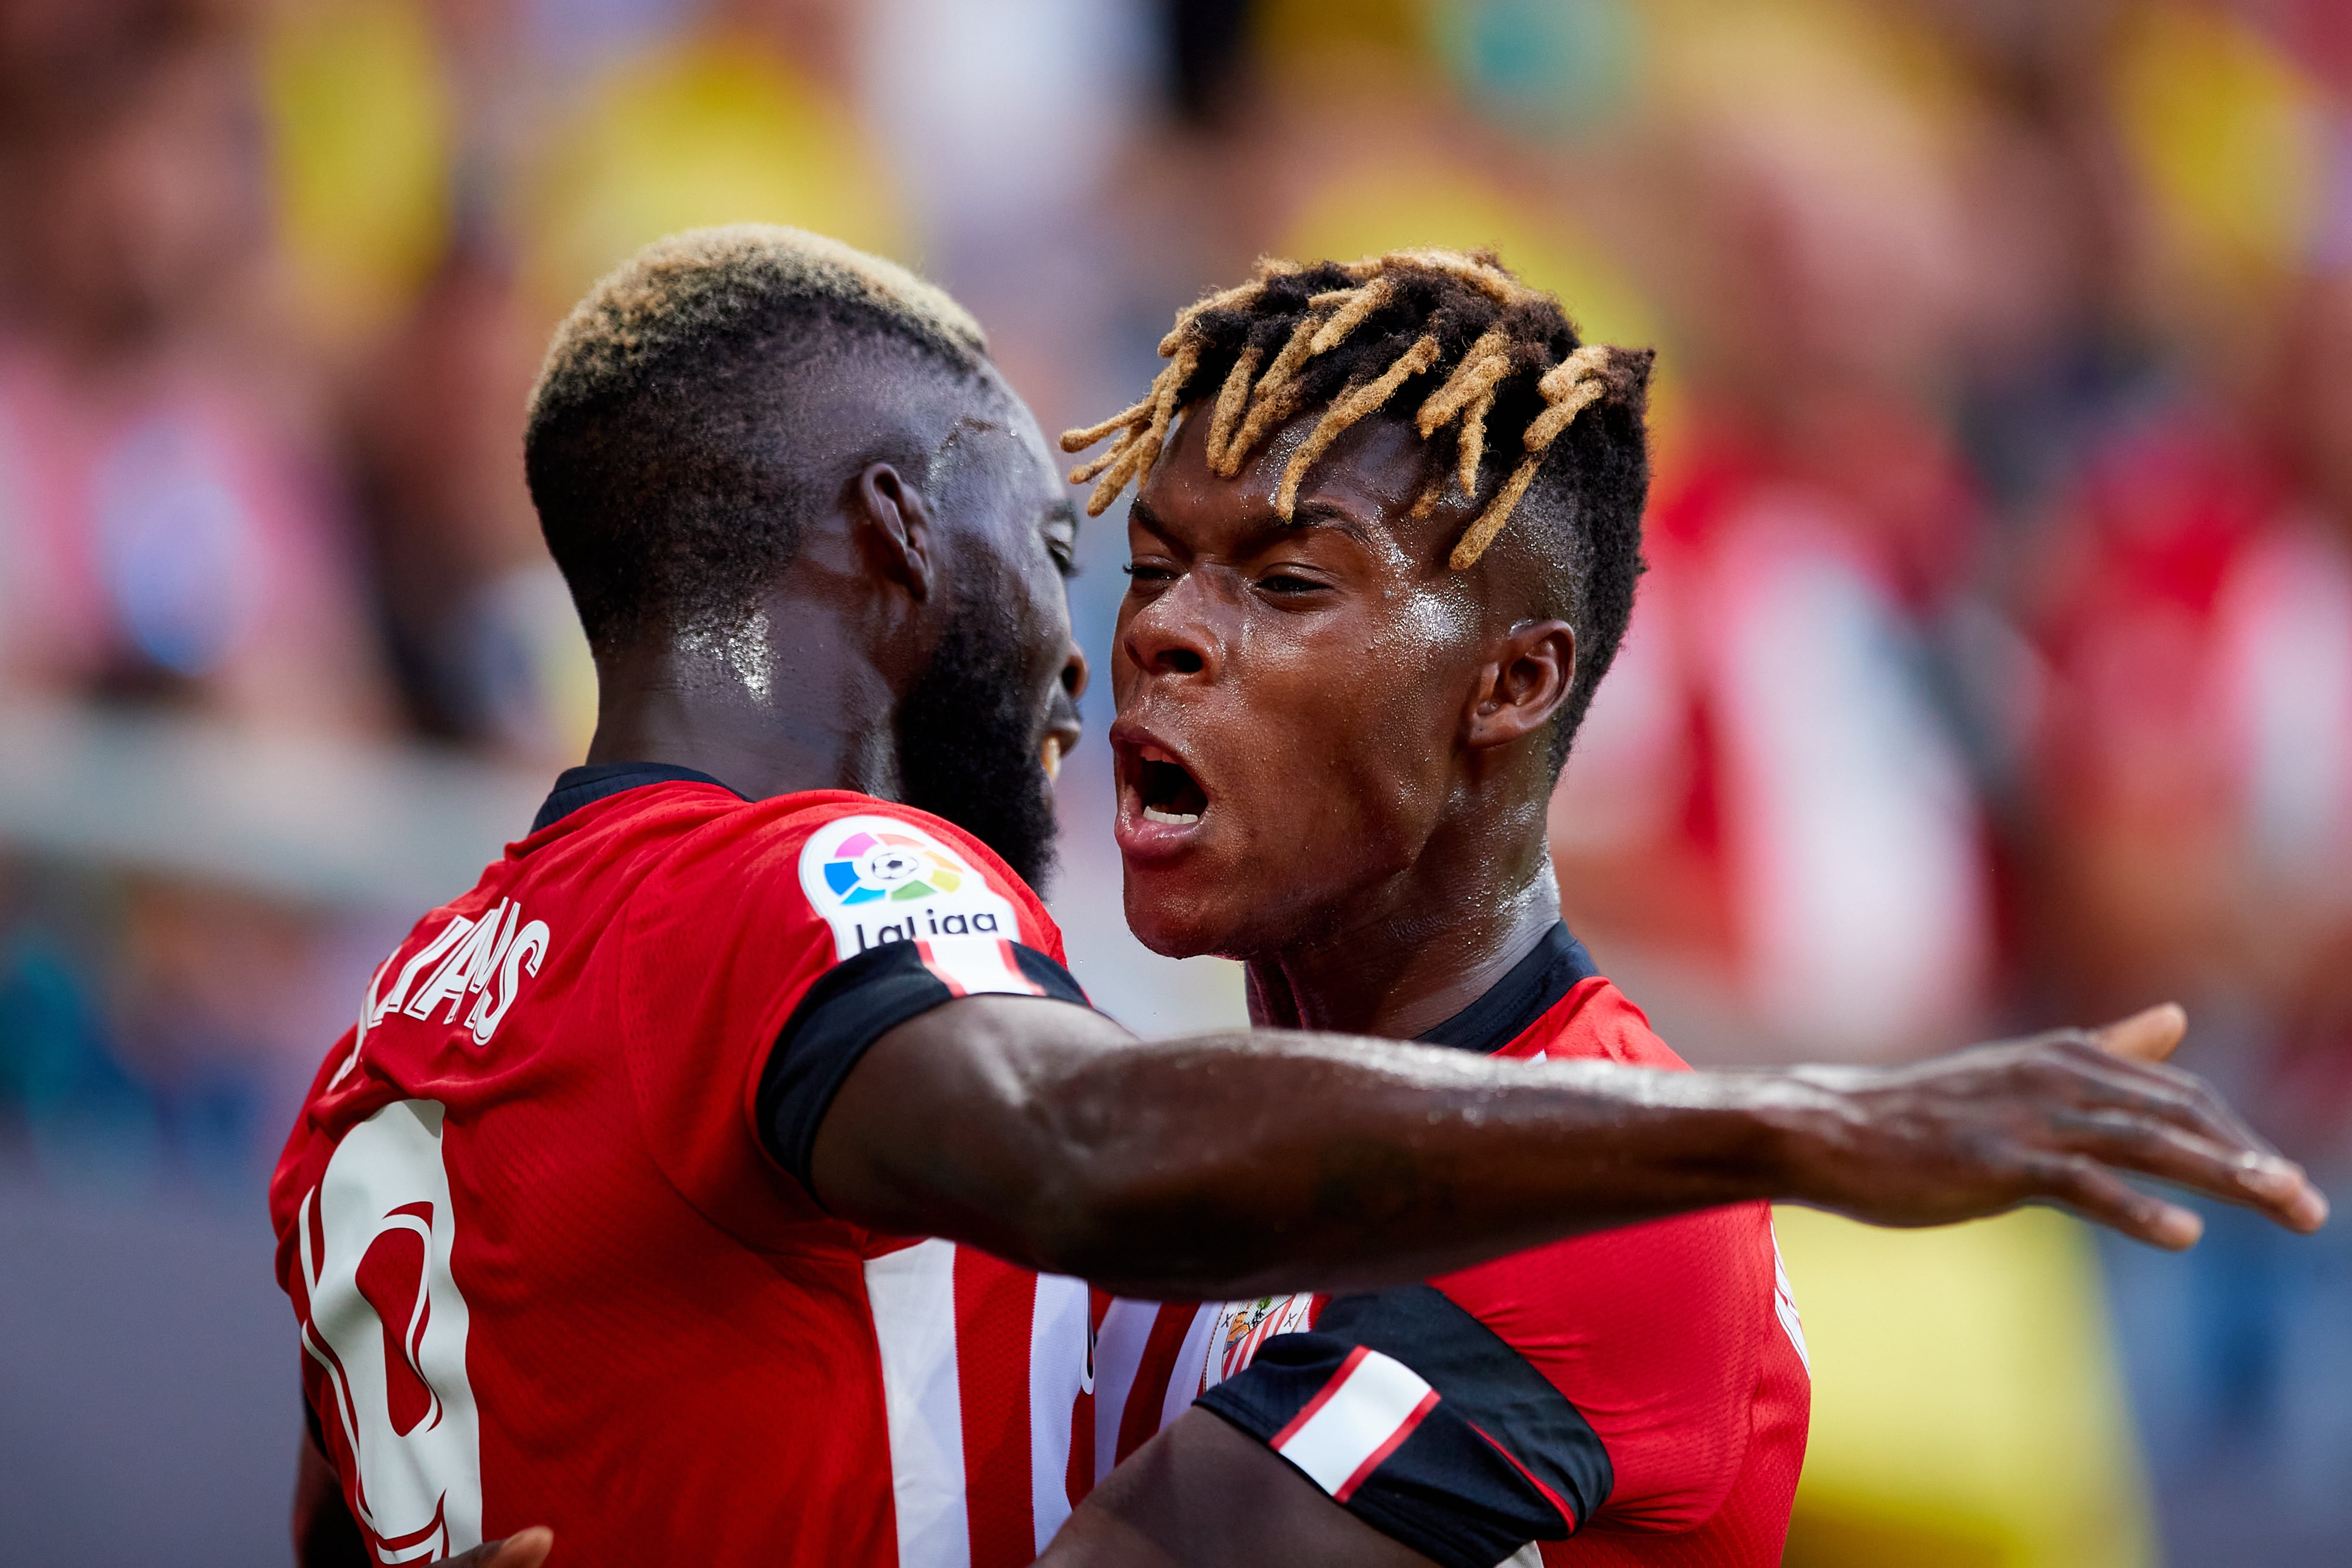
(1643, 1390)
(545, 1224)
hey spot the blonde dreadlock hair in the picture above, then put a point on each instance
(1505, 357)
(1453, 340)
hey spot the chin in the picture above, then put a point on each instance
(1176, 921)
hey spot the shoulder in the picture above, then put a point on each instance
(1596, 1022)
(1657, 1333)
(1677, 1287)
(871, 871)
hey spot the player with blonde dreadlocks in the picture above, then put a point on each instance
(1384, 540)
(1493, 377)
(1383, 544)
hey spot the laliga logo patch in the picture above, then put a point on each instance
(871, 866)
(877, 879)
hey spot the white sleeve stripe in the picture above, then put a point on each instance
(976, 965)
(1373, 1404)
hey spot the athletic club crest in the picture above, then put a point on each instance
(1243, 1326)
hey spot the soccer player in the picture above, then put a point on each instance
(611, 1212)
(1411, 465)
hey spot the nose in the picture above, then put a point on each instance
(1075, 672)
(1170, 636)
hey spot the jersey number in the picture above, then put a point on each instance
(387, 1325)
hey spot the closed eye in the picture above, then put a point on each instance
(1289, 583)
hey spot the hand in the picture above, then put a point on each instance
(523, 1549)
(2052, 1119)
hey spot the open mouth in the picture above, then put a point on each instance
(1167, 793)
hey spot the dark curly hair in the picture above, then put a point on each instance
(1454, 341)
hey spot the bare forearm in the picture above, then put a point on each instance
(1236, 1165)
(1233, 1164)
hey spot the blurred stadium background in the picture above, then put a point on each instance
(1995, 669)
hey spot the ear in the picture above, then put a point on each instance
(896, 522)
(1522, 684)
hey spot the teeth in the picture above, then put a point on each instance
(1153, 754)
(1154, 814)
(1052, 756)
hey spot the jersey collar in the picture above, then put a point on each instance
(578, 787)
(1536, 983)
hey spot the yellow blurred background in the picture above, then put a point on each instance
(1994, 669)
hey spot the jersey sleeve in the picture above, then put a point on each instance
(861, 1000)
(769, 954)
(1658, 1334)
(1418, 1418)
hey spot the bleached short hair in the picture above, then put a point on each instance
(680, 292)
(665, 444)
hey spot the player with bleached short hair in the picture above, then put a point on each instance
(713, 1181)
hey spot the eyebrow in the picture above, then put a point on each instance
(1307, 514)
(1138, 512)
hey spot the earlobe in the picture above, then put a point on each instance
(897, 524)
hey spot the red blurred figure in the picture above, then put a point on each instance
(165, 530)
(1770, 798)
(2193, 749)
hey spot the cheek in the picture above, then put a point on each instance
(1122, 668)
(1046, 631)
(1371, 707)
(1350, 763)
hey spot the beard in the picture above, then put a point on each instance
(968, 746)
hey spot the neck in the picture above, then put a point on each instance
(725, 704)
(1439, 942)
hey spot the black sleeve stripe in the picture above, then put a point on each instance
(1500, 1458)
(1050, 978)
(1488, 1382)
(858, 1001)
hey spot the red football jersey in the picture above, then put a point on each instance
(1637, 1396)
(544, 1221)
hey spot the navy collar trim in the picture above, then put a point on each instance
(1534, 987)
(578, 787)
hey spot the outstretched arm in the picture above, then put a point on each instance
(1227, 1166)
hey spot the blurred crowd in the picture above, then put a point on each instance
(1994, 667)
